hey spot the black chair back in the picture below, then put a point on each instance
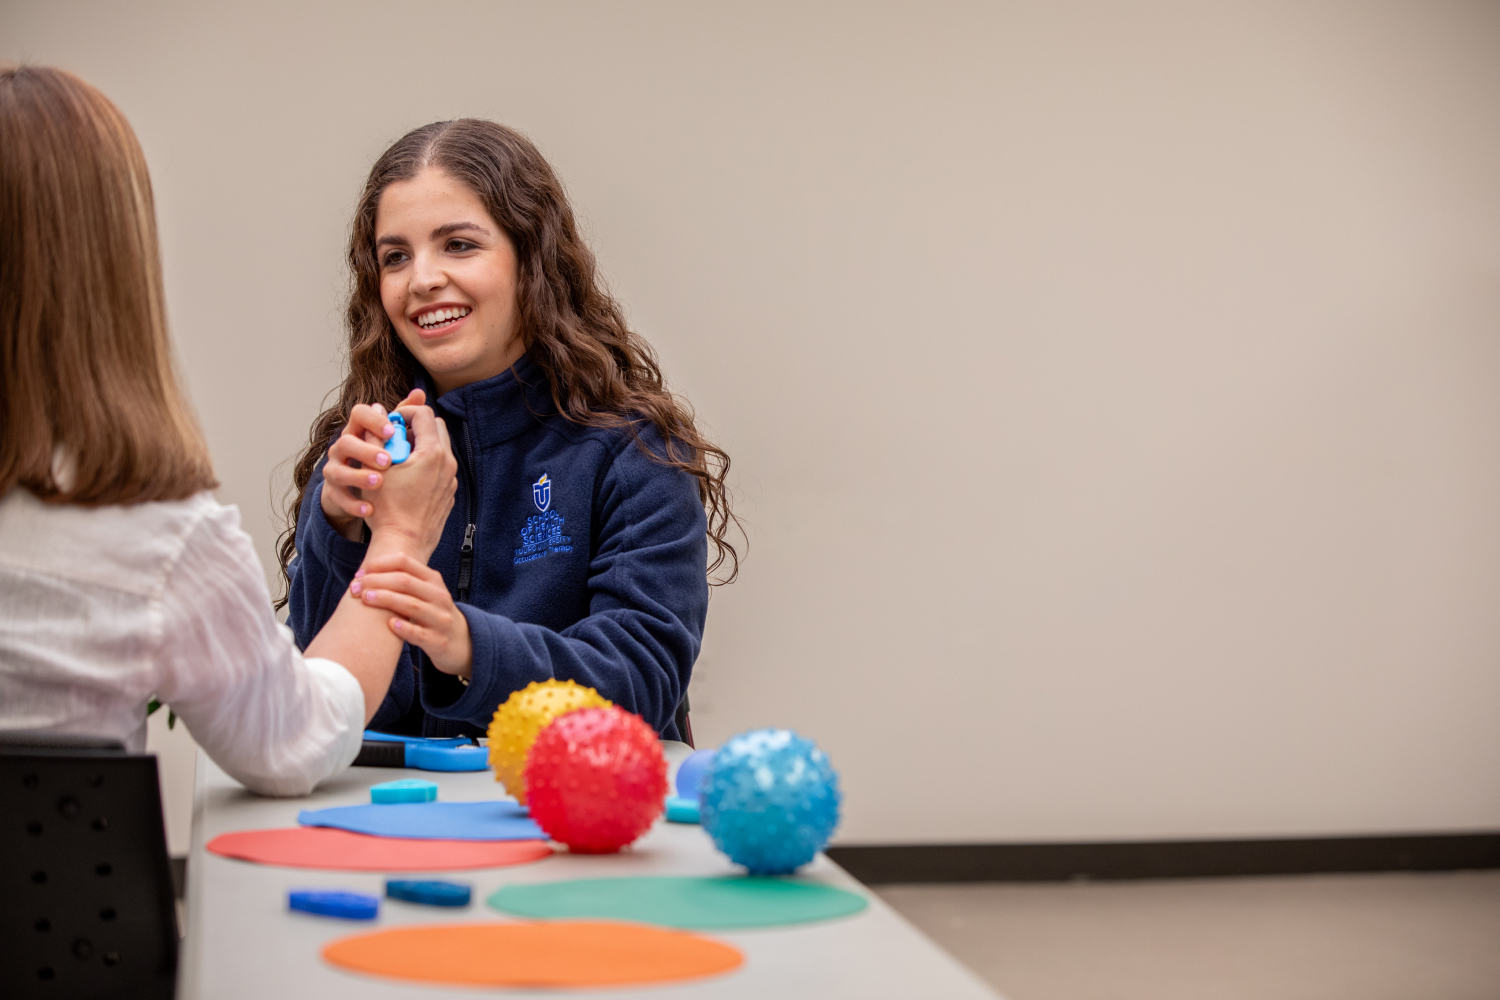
(86, 902)
(684, 723)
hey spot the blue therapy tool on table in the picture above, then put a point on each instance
(497, 819)
(398, 447)
(691, 771)
(683, 807)
(405, 790)
(424, 754)
(681, 810)
(430, 758)
(428, 893)
(328, 903)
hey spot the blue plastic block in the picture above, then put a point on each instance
(681, 810)
(429, 893)
(327, 903)
(691, 771)
(405, 790)
(397, 446)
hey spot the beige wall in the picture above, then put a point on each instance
(1113, 389)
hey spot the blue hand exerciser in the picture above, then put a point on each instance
(458, 754)
(398, 447)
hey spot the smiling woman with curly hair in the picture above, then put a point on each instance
(588, 498)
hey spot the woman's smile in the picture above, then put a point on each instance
(439, 320)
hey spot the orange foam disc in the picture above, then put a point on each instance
(554, 954)
(340, 850)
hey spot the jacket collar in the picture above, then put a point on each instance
(499, 408)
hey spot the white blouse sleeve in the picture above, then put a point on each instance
(276, 722)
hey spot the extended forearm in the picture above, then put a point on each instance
(356, 637)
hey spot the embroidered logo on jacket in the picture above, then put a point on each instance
(543, 532)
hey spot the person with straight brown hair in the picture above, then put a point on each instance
(120, 575)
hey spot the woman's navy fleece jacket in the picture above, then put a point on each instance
(588, 564)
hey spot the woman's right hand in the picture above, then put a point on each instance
(356, 464)
(416, 496)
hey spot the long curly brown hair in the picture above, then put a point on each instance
(601, 373)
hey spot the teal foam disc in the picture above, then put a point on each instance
(685, 903)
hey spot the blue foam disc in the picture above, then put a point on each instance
(429, 893)
(499, 819)
(327, 903)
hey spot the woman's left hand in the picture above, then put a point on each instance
(425, 613)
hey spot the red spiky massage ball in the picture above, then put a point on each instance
(596, 779)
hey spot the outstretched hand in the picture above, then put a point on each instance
(425, 614)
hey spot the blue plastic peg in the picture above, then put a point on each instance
(428, 893)
(327, 903)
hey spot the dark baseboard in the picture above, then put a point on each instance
(1056, 862)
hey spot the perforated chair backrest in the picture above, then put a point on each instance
(86, 903)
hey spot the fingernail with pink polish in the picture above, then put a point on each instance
(356, 587)
(397, 623)
(364, 509)
(370, 595)
(359, 572)
(383, 459)
(374, 479)
(387, 430)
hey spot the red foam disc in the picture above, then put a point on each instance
(340, 850)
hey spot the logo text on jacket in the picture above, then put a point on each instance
(542, 534)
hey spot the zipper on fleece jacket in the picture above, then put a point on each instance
(471, 502)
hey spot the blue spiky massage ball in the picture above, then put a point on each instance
(770, 800)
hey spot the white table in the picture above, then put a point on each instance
(242, 941)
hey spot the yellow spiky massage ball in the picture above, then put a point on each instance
(523, 715)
